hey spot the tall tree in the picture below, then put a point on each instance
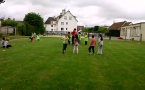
(91, 29)
(103, 29)
(34, 23)
(86, 29)
(96, 28)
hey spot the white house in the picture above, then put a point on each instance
(63, 23)
(134, 31)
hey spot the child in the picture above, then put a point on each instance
(6, 44)
(65, 41)
(3, 42)
(100, 44)
(68, 35)
(32, 38)
(76, 44)
(70, 39)
(79, 35)
(38, 37)
(86, 39)
(92, 45)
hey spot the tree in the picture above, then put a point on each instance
(9, 23)
(91, 29)
(34, 23)
(2, 1)
(22, 29)
(103, 29)
(96, 28)
(86, 29)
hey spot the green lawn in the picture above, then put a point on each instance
(42, 66)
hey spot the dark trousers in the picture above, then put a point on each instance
(73, 40)
(86, 42)
(69, 42)
(64, 47)
(91, 47)
(8, 46)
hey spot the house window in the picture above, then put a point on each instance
(66, 28)
(51, 29)
(62, 23)
(135, 31)
(123, 32)
(51, 22)
(65, 17)
(51, 25)
(70, 18)
(66, 23)
(62, 29)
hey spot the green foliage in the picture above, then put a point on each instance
(9, 23)
(103, 29)
(96, 28)
(21, 29)
(86, 29)
(34, 23)
(91, 29)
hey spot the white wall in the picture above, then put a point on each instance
(143, 31)
(71, 23)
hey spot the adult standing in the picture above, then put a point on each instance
(73, 36)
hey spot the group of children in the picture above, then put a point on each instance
(5, 43)
(33, 36)
(76, 40)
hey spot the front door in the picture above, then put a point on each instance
(128, 33)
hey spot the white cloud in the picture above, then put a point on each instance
(88, 12)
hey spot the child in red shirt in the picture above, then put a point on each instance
(92, 45)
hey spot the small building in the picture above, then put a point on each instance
(115, 28)
(133, 31)
(80, 28)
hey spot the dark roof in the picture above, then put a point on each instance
(127, 23)
(1, 19)
(48, 21)
(117, 26)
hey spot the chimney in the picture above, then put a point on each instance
(63, 11)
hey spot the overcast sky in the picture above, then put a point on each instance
(88, 12)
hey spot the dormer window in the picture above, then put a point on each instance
(65, 17)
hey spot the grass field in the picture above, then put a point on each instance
(42, 66)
